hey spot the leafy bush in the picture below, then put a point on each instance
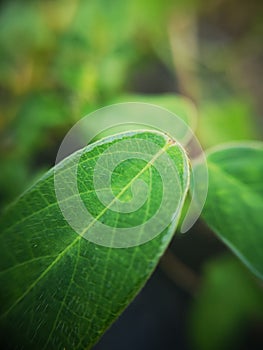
(62, 60)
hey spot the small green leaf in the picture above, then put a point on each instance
(234, 204)
(226, 120)
(229, 300)
(59, 290)
(177, 104)
(182, 107)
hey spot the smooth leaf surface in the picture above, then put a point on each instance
(234, 204)
(58, 290)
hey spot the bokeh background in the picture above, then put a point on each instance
(61, 59)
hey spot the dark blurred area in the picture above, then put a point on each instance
(201, 298)
(60, 60)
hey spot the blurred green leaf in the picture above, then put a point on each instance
(59, 290)
(24, 34)
(226, 120)
(234, 204)
(226, 306)
(180, 105)
(36, 130)
(38, 114)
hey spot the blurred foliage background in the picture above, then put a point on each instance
(61, 59)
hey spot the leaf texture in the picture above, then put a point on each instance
(59, 290)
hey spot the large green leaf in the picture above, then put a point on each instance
(59, 290)
(234, 204)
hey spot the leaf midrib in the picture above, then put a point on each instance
(125, 188)
(25, 218)
(169, 144)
